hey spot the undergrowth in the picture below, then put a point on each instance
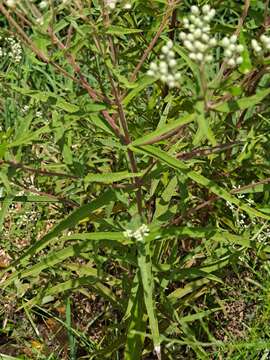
(134, 179)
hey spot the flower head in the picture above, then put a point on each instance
(165, 68)
(198, 40)
(232, 51)
(138, 234)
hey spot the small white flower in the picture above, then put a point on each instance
(239, 60)
(198, 41)
(231, 62)
(233, 39)
(195, 10)
(261, 46)
(43, 4)
(40, 21)
(138, 234)
(165, 68)
(232, 51)
(206, 9)
(127, 6)
(11, 3)
(225, 42)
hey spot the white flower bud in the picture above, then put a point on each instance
(153, 66)
(11, 3)
(209, 58)
(188, 45)
(186, 22)
(239, 60)
(231, 62)
(199, 57)
(164, 49)
(225, 42)
(43, 4)
(192, 56)
(197, 34)
(150, 73)
(182, 35)
(172, 62)
(207, 18)
(200, 46)
(212, 13)
(198, 23)
(212, 42)
(228, 53)
(233, 39)
(190, 37)
(195, 10)
(206, 9)
(205, 38)
(263, 38)
(240, 48)
(163, 78)
(170, 44)
(193, 19)
(163, 65)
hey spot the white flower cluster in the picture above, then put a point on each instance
(198, 40)
(12, 49)
(11, 3)
(138, 234)
(43, 4)
(240, 218)
(264, 236)
(262, 45)
(232, 51)
(111, 4)
(165, 68)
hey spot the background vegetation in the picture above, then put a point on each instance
(134, 215)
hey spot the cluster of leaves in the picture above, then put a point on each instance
(99, 147)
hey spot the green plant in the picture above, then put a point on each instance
(146, 184)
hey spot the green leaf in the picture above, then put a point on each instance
(242, 104)
(119, 30)
(145, 266)
(137, 322)
(141, 85)
(187, 289)
(68, 107)
(246, 65)
(73, 284)
(73, 219)
(173, 125)
(198, 178)
(109, 178)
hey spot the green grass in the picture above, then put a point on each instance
(134, 214)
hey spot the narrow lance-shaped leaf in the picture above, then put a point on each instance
(67, 223)
(74, 250)
(164, 129)
(198, 178)
(242, 104)
(145, 265)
